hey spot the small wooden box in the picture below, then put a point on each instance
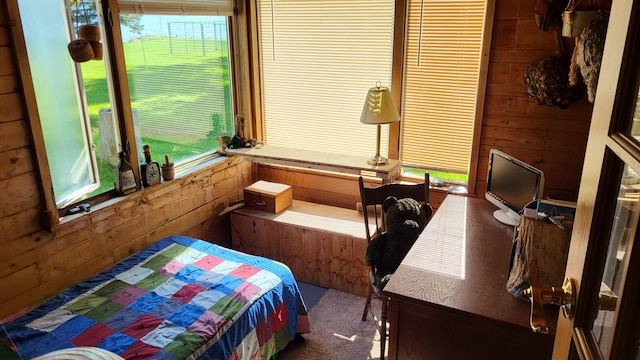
(268, 196)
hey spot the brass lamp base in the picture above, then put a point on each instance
(377, 160)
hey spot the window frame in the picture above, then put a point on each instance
(245, 80)
(122, 109)
(121, 106)
(401, 8)
(49, 217)
(399, 49)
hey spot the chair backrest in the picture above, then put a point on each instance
(372, 199)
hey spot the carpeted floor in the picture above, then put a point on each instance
(337, 331)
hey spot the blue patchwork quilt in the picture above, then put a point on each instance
(180, 298)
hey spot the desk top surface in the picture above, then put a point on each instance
(461, 262)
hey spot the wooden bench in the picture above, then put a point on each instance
(323, 245)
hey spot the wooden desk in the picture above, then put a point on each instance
(319, 160)
(448, 297)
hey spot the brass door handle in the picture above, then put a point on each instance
(563, 297)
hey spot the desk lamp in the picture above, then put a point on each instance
(379, 109)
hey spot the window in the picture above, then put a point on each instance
(442, 67)
(318, 61)
(178, 75)
(319, 57)
(176, 84)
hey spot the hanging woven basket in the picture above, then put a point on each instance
(87, 46)
(80, 50)
(89, 33)
(547, 81)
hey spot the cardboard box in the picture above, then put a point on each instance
(268, 196)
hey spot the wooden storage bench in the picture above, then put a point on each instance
(323, 245)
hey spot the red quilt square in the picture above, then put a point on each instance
(208, 262)
(244, 271)
(127, 295)
(140, 350)
(142, 326)
(188, 292)
(272, 324)
(93, 335)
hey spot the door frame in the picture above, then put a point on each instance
(606, 153)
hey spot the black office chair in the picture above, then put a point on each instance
(372, 199)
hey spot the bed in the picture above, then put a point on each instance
(180, 298)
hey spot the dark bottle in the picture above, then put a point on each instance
(149, 170)
(125, 178)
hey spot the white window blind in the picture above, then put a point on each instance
(441, 82)
(177, 7)
(318, 61)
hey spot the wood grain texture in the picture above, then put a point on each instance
(322, 245)
(335, 162)
(84, 244)
(450, 290)
(542, 249)
(460, 261)
(7, 65)
(8, 84)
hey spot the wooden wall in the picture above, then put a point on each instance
(549, 138)
(36, 263)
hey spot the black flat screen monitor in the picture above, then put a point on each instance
(511, 185)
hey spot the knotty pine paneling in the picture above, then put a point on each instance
(121, 227)
(315, 186)
(7, 66)
(15, 162)
(12, 108)
(8, 84)
(549, 138)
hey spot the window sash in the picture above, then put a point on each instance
(64, 122)
(442, 66)
(318, 61)
(178, 89)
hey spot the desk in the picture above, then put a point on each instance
(448, 297)
(319, 160)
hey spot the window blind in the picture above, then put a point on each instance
(318, 61)
(175, 7)
(444, 42)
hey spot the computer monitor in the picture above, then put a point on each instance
(511, 185)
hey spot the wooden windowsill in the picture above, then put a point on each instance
(319, 160)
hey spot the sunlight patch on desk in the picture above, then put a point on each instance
(442, 248)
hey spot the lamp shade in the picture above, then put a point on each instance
(379, 107)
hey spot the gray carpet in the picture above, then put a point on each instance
(337, 331)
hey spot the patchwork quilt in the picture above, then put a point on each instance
(180, 298)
